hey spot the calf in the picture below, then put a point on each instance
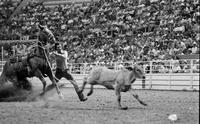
(118, 80)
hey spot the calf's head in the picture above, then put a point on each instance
(138, 71)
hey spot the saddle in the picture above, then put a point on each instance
(15, 59)
(23, 59)
(20, 63)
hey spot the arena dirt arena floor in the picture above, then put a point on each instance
(101, 108)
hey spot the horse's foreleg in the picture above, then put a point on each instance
(54, 84)
(118, 94)
(137, 97)
(43, 82)
(40, 76)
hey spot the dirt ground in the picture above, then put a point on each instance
(101, 108)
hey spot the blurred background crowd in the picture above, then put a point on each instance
(111, 30)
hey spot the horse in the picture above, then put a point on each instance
(118, 80)
(17, 70)
(32, 65)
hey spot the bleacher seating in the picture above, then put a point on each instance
(53, 3)
(6, 9)
(116, 30)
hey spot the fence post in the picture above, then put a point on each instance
(191, 73)
(84, 68)
(150, 75)
(143, 83)
(170, 74)
(1, 67)
(70, 69)
(2, 53)
(143, 79)
(115, 65)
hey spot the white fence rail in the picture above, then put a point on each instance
(150, 67)
(179, 81)
(163, 75)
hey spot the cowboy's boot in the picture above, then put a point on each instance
(80, 94)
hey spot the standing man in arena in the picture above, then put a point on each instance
(62, 71)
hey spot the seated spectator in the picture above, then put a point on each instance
(125, 30)
(176, 67)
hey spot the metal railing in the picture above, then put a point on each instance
(150, 67)
(163, 74)
(167, 75)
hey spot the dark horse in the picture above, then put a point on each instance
(35, 64)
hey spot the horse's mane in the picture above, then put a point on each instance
(43, 37)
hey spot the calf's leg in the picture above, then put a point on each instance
(137, 97)
(83, 86)
(118, 94)
(91, 90)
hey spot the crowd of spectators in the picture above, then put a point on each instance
(7, 7)
(116, 30)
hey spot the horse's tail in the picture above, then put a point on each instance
(3, 79)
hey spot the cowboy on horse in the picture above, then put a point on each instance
(45, 31)
(35, 63)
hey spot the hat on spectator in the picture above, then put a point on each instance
(162, 2)
(70, 21)
(194, 43)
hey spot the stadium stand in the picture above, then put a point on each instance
(7, 7)
(114, 30)
(53, 3)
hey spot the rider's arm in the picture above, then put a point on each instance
(63, 55)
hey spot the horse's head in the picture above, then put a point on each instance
(45, 35)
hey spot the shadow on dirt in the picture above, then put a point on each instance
(10, 93)
(13, 94)
(58, 107)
